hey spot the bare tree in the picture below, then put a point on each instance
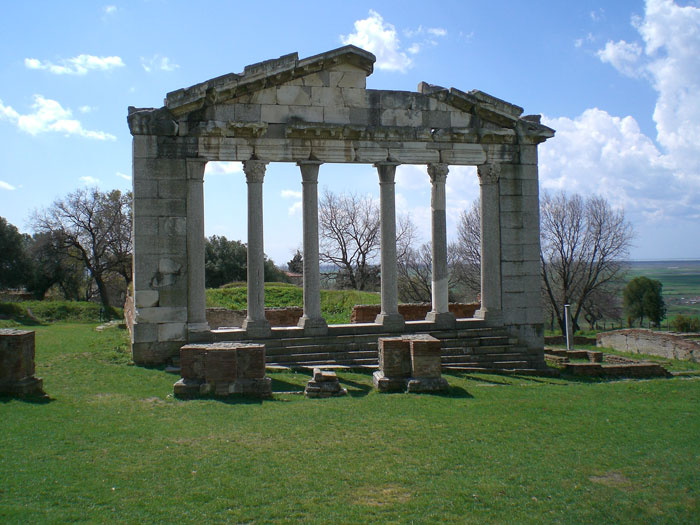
(349, 235)
(94, 228)
(467, 249)
(584, 244)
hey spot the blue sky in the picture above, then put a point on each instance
(619, 81)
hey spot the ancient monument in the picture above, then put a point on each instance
(312, 112)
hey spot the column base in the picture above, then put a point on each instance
(257, 328)
(491, 316)
(442, 319)
(313, 326)
(198, 332)
(391, 322)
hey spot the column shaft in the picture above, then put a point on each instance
(389, 315)
(312, 322)
(489, 175)
(196, 297)
(256, 324)
(440, 313)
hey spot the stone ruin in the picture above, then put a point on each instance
(17, 349)
(315, 112)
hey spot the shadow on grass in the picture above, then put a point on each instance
(31, 399)
(456, 392)
(358, 389)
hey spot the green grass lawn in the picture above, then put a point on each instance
(113, 445)
(336, 305)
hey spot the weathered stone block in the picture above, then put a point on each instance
(172, 189)
(172, 332)
(160, 207)
(16, 356)
(161, 314)
(388, 384)
(348, 79)
(220, 364)
(294, 95)
(192, 362)
(144, 333)
(336, 115)
(145, 298)
(425, 357)
(459, 119)
(251, 361)
(145, 146)
(394, 356)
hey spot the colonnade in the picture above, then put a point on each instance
(312, 322)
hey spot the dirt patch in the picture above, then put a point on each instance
(381, 496)
(613, 479)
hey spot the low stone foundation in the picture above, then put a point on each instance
(640, 341)
(17, 368)
(367, 313)
(222, 369)
(223, 317)
(410, 363)
(636, 370)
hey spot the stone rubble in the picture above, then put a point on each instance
(324, 384)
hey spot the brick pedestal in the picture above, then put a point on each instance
(409, 363)
(222, 369)
(17, 363)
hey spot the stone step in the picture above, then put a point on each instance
(495, 365)
(484, 357)
(328, 356)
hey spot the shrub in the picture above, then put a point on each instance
(685, 323)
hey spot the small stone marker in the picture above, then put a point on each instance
(222, 369)
(17, 363)
(409, 363)
(324, 384)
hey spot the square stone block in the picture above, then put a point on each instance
(192, 362)
(220, 365)
(395, 356)
(425, 357)
(251, 361)
(16, 355)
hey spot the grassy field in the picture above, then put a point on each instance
(336, 305)
(113, 445)
(681, 281)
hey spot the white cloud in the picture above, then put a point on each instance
(79, 65)
(158, 62)
(88, 180)
(437, 31)
(623, 56)
(85, 109)
(110, 9)
(671, 37)
(6, 186)
(293, 194)
(223, 168)
(380, 38)
(49, 116)
(123, 176)
(414, 49)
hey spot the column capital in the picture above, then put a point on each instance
(195, 169)
(488, 173)
(438, 172)
(386, 171)
(254, 170)
(309, 170)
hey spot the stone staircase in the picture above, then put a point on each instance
(470, 346)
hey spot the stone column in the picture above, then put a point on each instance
(389, 316)
(440, 314)
(255, 324)
(311, 321)
(489, 175)
(196, 297)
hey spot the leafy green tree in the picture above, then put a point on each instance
(227, 261)
(14, 262)
(296, 264)
(93, 228)
(642, 298)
